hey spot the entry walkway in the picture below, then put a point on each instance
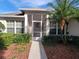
(37, 51)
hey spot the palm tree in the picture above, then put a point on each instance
(64, 10)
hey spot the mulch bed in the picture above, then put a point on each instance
(15, 52)
(61, 51)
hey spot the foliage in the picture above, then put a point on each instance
(49, 40)
(7, 39)
(2, 45)
(75, 40)
(22, 38)
(2, 27)
(64, 11)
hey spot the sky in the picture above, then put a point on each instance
(14, 5)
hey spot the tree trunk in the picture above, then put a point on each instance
(62, 24)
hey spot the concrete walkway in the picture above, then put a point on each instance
(37, 51)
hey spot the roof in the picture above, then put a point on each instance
(11, 13)
(33, 9)
(11, 16)
(23, 10)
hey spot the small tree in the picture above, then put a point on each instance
(64, 10)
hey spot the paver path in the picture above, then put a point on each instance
(37, 51)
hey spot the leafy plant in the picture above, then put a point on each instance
(2, 27)
(63, 11)
(22, 38)
(50, 40)
(2, 45)
(7, 38)
(75, 40)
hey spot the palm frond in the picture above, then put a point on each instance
(52, 5)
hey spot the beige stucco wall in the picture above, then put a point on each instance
(73, 28)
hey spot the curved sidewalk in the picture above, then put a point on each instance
(37, 51)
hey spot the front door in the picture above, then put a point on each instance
(37, 30)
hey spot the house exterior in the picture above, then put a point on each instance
(36, 22)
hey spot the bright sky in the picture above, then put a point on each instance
(14, 5)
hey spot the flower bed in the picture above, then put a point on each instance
(58, 50)
(16, 52)
(61, 51)
(14, 46)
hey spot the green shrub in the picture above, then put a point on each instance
(7, 38)
(48, 40)
(2, 45)
(22, 38)
(75, 40)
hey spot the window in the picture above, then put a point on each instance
(10, 26)
(10, 30)
(52, 27)
(37, 17)
(19, 27)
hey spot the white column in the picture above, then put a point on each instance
(15, 27)
(5, 26)
(26, 23)
(47, 25)
(41, 25)
(32, 26)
